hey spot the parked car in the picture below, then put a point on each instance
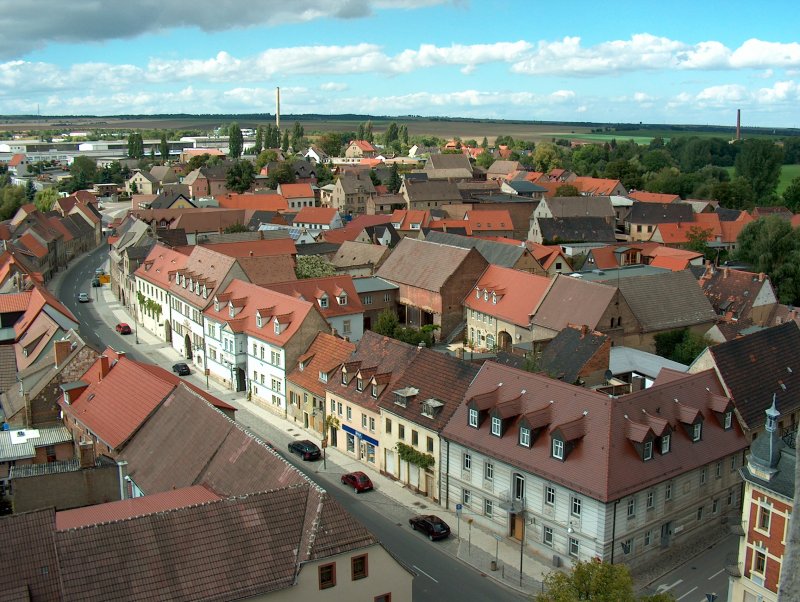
(433, 526)
(357, 480)
(96, 282)
(181, 369)
(305, 449)
(83, 298)
(123, 328)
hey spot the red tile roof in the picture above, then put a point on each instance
(13, 302)
(315, 215)
(254, 248)
(16, 160)
(403, 218)
(324, 355)
(483, 220)
(161, 265)
(261, 202)
(297, 191)
(175, 380)
(676, 264)
(131, 508)
(511, 295)
(604, 463)
(653, 197)
(40, 297)
(364, 145)
(355, 227)
(312, 289)
(33, 245)
(595, 186)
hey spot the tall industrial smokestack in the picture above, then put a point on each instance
(278, 107)
(738, 124)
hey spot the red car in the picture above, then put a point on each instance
(123, 328)
(357, 480)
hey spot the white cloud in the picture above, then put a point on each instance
(333, 86)
(757, 54)
(643, 97)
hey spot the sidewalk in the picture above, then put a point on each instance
(476, 546)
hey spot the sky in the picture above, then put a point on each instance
(648, 61)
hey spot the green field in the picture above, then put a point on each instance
(788, 173)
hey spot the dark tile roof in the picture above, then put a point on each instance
(782, 481)
(576, 229)
(567, 354)
(666, 301)
(30, 555)
(660, 213)
(496, 253)
(8, 367)
(432, 191)
(733, 292)
(756, 366)
(727, 215)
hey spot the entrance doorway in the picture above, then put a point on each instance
(666, 531)
(187, 347)
(516, 526)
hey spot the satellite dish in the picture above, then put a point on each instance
(608, 375)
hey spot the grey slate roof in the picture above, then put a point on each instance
(627, 359)
(496, 253)
(666, 301)
(372, 284)
(568, 352)
(660, 213)
(576, 229)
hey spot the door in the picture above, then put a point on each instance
(390, 462)
(429, 484)
(333, 432)
(305, 419)
(666, 531)
(241, 379)
(413, 475)
(516, 526)
(367, 323)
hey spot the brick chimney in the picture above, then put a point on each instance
(104, 366)
(725, 271)
(86, 454)
(61, 350)
(761, 276)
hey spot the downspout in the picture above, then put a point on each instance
(614, 530)
(447, 477)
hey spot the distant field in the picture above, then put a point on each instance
(788, 173)
(618, 136)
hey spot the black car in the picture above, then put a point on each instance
(433, 526)
(306, 449)
(181, 369)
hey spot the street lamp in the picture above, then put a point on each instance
(517, 507)
(324, 432)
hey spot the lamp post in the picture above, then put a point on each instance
(517, 508)
(136, 322)
(324, 433)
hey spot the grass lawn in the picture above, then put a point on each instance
(788, 173)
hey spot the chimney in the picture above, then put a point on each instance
(86, 454)
(584, 330)
(62, 350)
(725, 271)
(104, 367)
(251, 253)
(761, 276)
(738, 124)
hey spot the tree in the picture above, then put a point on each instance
(282, 174)
(404, 134)
(135, 146)
(772, 246)
(199, 161)
(297, 135)
(324, 175)
(376, 181)
(240, 176)
(83, 171)
(736, 194)
(791, 196)
(259, 144)
(285, 141)
(591, 580)
(235, 140)
(313, 266)
(392, 133)
(368, 135)
(484, 143)
(546, 157)
(361, 130)
(12, 198)
(394, 183)
(697, 238)
(45, 199)
(164, 148)
(759, 162)
(330, 143)
(237, 227)
(567, 190)
(30, 191)
(387, 323)
(485, 159)
(589, 158)
(264, 157)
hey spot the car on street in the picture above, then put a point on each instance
(431, 525)
(306, 449)
(357, 480)
(83, 298)
(123, 328)
(181, 369)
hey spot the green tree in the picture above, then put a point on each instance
(546, 157)
(12, 197)
(164, 148)
(591, 580)
(736, 194)
(198, 161)
(240, 176)
(485, 159)
(404, 134)
(45, 199)
(791, 150)
(759, 162)
(791, 196)
(392, 133)
(387, 323)
(259, 143)
(484, 143)
(698, 238)
(297, 135)
(394, 183)
(567, 190)
(772, 246)
(237, 227)
(135, 146)
(690, 347)
(83, 171)
(313, 266)
(282, 174)
(589, 158)
(368, 135)
(30, 191)
(285, 141)
(264, 157)
(324, 175)
(235, 140)
(330, 143)
(360, 135)
(376, 181)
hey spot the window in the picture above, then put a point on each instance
(366, 300)
(700, 513)
(275, 357)
(262, 353)
(387, 297)
(488, 507)
(342, 299)
(327, 576)
(473, 417)
(363, 421)
(524, 436)
(388, 426)
(276, 384)
(466, 497)
(360, 384)
(401, 432)
(703, 476)
(259, 322)
(383, 598)
(339, 408)
(648, 450)
(719, 470)
(763, 518)
(346, 328)
(496, 426)
(414, 438)
(574, 547)
(323, 303)
(715, 506)
(374, 391)
(575, 506)
(358, 567)
(550, 495)
(323, 376)
(430, 445)
(547, 536)
(558, 449)
(668, 492)
(697, 431)
(631, 507)
(651, 500)
(333, 406)
(255, 347)
(488, 471)
(519, 487)
(648, 537)
(733, 463)
(760, 562)
(349, 413)
(728, 420)
(351, 443)
(467, 461)
(665, 444)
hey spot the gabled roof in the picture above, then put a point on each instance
(355, 254)
(604, 463)
(296, 191)
(576, 229)
(653, 197)
(595, 186)
(567, 354)
(432, 191)
(572, 300)
(315, 215)
(660, 213)
(42, 300)
(498, 253)
(325, 354)
(207, 267)
(483, 220)
(161, 265)
(364, 145)
(423, 264)
(733, 292)
(507, 294)
(580, 206)
(332, 287)
(666, 301)
(253, 248)
(353, 182)
(756, 366)
(259, 202)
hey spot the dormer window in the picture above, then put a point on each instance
(497, 426)
(431, 407)
(524, 436)
(374, 391)
(342, 299)
(727, 421)
(259, 321)
(665, 443)
(400, 399)
(277, 327)
(647, 451)
(697, 431)
(344, 377)
(323, 302)
(231, 310)
(486, 295)
(359, 384)
(477, 293)
(473, 417)
(323, 376)
(558, 449)
(216, 304)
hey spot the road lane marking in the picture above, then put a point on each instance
(428, 576)
(715, 574)
(686, 594)
(664, 587)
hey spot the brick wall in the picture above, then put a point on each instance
(67, 490)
